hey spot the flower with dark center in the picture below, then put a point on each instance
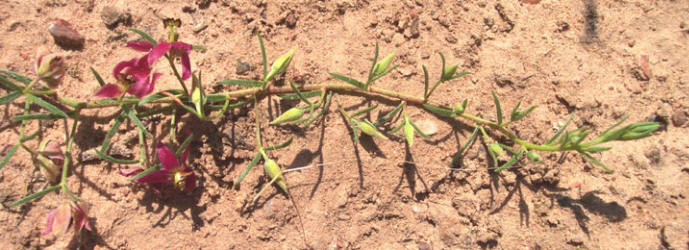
(173, 171)
(133, 77)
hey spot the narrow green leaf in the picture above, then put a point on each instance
(8, 155)
(35, 195)
(442, 70)
(509, 149)
(115, 160)
(199, 47)
(394, 130)
(460, 74)
(373, 67)
(355, 130)
(497, 108)
(418, 130)
(561, 130)
(307, 94)
(9, 84)
(191, 110)
(279, 146)
(596, 162)
(112, 131)
(348, 80)
(159, 95)
(263, 56)
(248, 83)
(184, 145)
(459, 153)
(389, 115)
(98, 78)
(440, 111)
(31, 136)
(40, 116)
(132, 116)
(425, 80)
(507, 164)
(16, 76)
(10, 97)
(296, 91)
(46, 105)
(144, 35)
(213, 98)
(248, 168)
(321, 112)
(365, 110)
(384, 73)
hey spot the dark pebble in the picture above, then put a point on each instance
(679, 118)
(65, 35)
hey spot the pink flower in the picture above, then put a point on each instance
(50, 68)
(133, 77)
(176, 49)
(173, 171)
(68, 215)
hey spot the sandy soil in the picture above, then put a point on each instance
(564, 56)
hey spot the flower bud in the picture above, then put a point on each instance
(496, 149)
(409, 133)
(369, 129)
(639, 130)
(273, 170)
(382, 65)
(532, 156)
(449, 72)
(460, 107)
(50, 68)
(50, 160)
(280, 65)
(290, 115)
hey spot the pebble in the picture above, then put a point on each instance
(291, 20)
(679, 118)
(243, 68)
(65, 35)
(451, 39)
(429, 127)
(110, 16)
(200, 27)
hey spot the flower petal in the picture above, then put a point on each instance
(159, 176)
(141, 46)
(158, 51)
(63, 217)
(117, 71)
(186, 67)
(139, 87)
(81, 219)
(49, 222)
(166, 157)
(109, 90)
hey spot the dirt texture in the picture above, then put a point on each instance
(600, 60)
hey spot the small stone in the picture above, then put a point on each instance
(451, 39)
(65, 35)
(111, 16)
(200, 27)
(243, 68)
(679, 118)
(291, 20)
(428, 127)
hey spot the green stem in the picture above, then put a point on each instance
(68, 157)
(179, 78)
(28, 87)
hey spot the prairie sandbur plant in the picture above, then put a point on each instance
(131, 90)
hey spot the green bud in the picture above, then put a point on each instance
(496, 149)
(382, 65)
(273, 170)
(49, 160)
(460, 107)
(409, 133)
(638, 130)
(280, 65)
(449, 72)
(196, 99)
(50, 68)
(369, 129)
(532, 156)
(290, 115)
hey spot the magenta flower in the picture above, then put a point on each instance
(133, 77)
(68, 215)
(173, 171)
(176, 49)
